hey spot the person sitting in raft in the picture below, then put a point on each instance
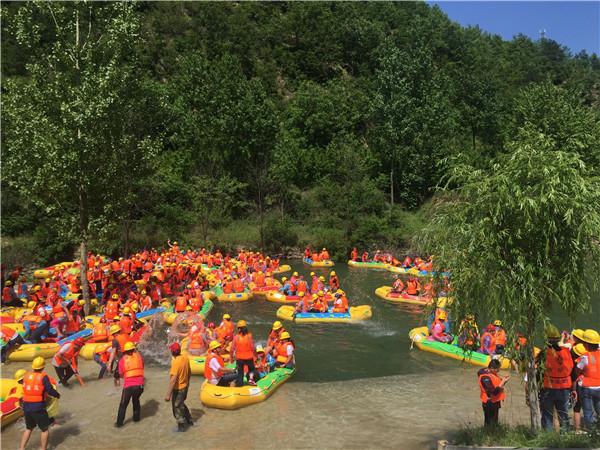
(261, 363)
(398, 286)
(499, 337)
(334, 281)
(302, 305)
(307, 252)
(275, 334)
(413, 286)
(438, 329)
(215, 371)
(365, 256)
(340, 303)
(197, 343)
(284, 352)
(488, 340)
(316, 257)
(242, 349)
(354, 254)
(407, 263)
(324, 255)
(225, 329)
(319, 305)
(286, 289)
(468, 333)
(210, 332)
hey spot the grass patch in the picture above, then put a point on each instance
(522, 436)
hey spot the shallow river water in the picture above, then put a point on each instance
(357, 386)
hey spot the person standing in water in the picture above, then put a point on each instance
(36, 385)
(131, 368)
(178, 387)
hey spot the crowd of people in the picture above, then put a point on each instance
(387, 258)
(316, 296)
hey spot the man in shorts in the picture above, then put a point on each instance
(36, 386)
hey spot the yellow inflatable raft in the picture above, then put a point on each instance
(310, 262)
(356, 313)
(419, 337)
(367, 265)
(27, 352)
(235, 297)
(282, 269)
(237, 397)
(169, 316)
(385, 292)
(11, 394)
(278, 297)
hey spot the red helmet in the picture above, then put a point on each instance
(211, 324)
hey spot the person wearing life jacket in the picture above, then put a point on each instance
(491, 387)
(488, 340)
(284, 352)
(180, 304)
(237, 284)
(131, 369)
(588, 368)
(145, 301)
(397, 286)
(126, 323)
(286, 289)
(324, 255)
(37, 385)
(261, 363)
(242, 349)
(302, 286)
(22, 289)
(307, 252)
(354, 254)
(468, 333)
(225, 329)
(111, 309)
(334, 281)
(314, 286)
(499, 337)
(197, 343)
(340, 303)
(413, 286)
(9, 296)
(102, 356)
(210, 332)
(407, 263)
(65, 360)
(577, 351)
(36, 326)
(100, 331)
(316, 257)
(438, 329)
(365, 256)
(303, 303)
(10, 340)
(215, 371)
(274, 334)
(556, 390)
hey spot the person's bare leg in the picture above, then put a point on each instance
(44, 439)
(25, 439)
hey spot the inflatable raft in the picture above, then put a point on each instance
(368, 264)
(419, 337)
(237, 397)
(282, 269)
(310, 262)
(385, 292)
(264, 290)
(413, 271)
(11, 394)
(278, 297)
(356, 313)
(233, 297)
(169, 315)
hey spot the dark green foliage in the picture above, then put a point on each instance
(279, 234)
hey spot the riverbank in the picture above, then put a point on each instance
(402, 411)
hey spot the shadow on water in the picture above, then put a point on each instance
(196, 413)
(58, 434)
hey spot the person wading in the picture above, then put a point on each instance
(131, 368)
(178, 387)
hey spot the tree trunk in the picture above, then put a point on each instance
(532, 384)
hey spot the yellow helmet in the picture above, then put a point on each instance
(38, 363)
(284, 279)
(20, 374)
(579, 349)
(442, 315)
(324, 249)
(94, 302)
(241, 323)
(188, 308)
(128, 346)
(314, 296)
(114, 329)
(320, 293)
(213, 345)
(115, 296)
(8, 283)
(260, 349)
(591, 337)
(578, 333)
(285, 335)
(34, 289)
(135, 306)
(82, 302)
(116, 318)
(277, 325)
(226, 316)
(295, 274)
(498, 323)
(332, 272)
(339, 291)
(312, 274)
(175, 243)
(143, 292)
(31, 305)
(322, 278)
(301, 294)
(47, 280)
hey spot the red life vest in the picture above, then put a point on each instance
(591, 372)
(559, 365)
(133, 365)
(496, 380)
(244, 348)
(7, 333)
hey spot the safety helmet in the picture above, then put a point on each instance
(115, 296)
(301, 294)
(34, 289)
(143, 292)
(312, 274)
(332, 272)
(31, 305)
(320, 293)
(260, 349)
(284, 279)
(114, 329)
(135, 306)
(38, 363)
(213, 345)
(277, 325)
(241, 323)
(295, 274)
(314, 296)
(578, 333)
(188, 308)
(189, 286)
(81, 302)
(322, 278)
(175, 243)
(591, 337)
(20, 374)
(579, 349)
(47, 280)
(552, 332)
(442, 315)
(285, 335)
(128, 346)
(226, 316)
(8, 283)
(324, 249)
(498, 323)
(126, 310)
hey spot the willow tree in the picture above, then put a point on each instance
(521, 238)
(72, 139)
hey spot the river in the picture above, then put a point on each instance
(357, 386)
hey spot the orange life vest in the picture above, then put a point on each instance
(126, 324)
(33, 387)
(103, 350)
(243, 346)
(208, 373)
(180, 304)
(500, 337)
(57, 311)
(122, 339)
(7, 333)
(196, 339)
(67, 356)
(281, 349)
(492, 344)
(6, 294)
(411, 287)
(496, 380)
(559, 365)
(111, 309)
(591, 372)
(133, 365)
